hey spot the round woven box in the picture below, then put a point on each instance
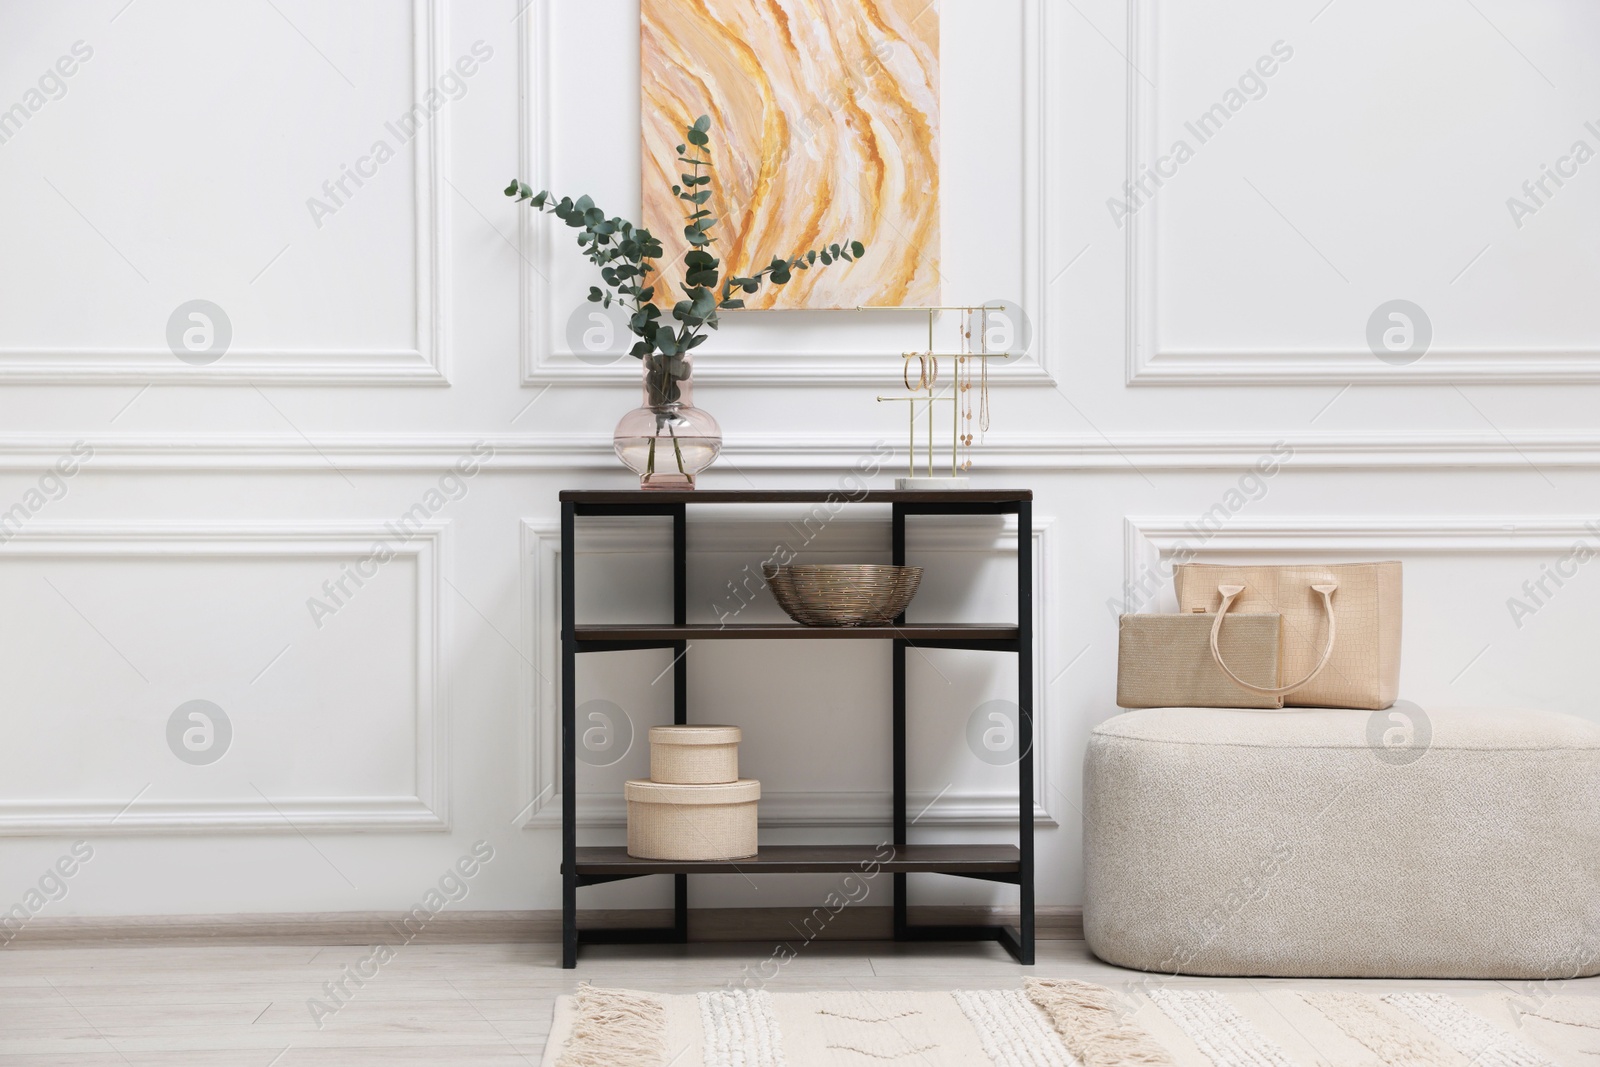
(694, 755)
(692, 822)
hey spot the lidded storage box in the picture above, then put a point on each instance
(694, 755)
(691, 822)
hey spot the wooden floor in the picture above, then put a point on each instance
(443, 1005)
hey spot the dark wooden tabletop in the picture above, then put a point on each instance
(795, 496)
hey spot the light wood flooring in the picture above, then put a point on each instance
(443, 1005)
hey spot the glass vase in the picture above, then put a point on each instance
(667, 441)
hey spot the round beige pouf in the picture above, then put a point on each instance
(1312, 842)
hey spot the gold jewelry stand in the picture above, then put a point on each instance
(925, 392)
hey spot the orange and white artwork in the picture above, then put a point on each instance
(824, 129)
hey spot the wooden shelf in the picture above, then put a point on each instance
(794, 496)
(975, 860)
(634, 633)
(1011, 864)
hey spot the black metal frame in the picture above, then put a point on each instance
(1018, 941)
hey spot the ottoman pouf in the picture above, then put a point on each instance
(1298, 843)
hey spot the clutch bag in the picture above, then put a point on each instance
(1165, 661)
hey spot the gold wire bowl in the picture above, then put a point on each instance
(842, 594)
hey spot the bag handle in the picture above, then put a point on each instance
(1229, 593)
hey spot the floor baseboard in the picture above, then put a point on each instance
(487, 927)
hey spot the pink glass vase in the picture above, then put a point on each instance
(667, 440)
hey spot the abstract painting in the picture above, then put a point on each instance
(824, 121)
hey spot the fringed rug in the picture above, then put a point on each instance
(1075, 1024)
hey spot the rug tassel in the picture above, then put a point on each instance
(1092, 1027)
(614, 1028)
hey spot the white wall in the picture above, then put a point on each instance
(425, 324)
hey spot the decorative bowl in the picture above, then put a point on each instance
(842, 594)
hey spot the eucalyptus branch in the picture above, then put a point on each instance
(626, 256)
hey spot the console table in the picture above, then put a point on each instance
(1012, 864)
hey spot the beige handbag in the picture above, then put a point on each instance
(1341, 626)
(1165, 661)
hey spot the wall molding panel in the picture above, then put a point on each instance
(546, 357)
(827, 453)
(1148, 541)
(425, 810)
(539, 739)
(424, 363)
(1149, 363)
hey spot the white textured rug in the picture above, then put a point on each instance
(1074, 1024)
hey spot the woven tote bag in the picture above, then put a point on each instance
(1341, 626)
